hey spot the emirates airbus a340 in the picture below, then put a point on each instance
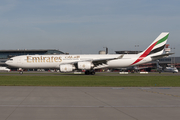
(69, 63)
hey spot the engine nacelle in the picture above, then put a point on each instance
(85, 65)
(67, 68)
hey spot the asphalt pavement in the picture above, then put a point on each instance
(89, 103)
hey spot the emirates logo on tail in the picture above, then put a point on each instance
(157, 46)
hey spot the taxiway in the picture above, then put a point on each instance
(89, 103)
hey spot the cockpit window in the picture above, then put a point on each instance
(11, 59)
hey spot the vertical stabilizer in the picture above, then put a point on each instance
(156, 48)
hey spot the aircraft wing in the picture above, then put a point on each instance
(103, 62)
(98, 63)
(161, 56)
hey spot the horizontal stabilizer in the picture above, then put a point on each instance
(161, 56)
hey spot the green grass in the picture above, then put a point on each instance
(92, 81)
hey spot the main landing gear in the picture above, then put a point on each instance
(89, 72)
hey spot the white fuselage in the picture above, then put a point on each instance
(54, 61)
(171, 69)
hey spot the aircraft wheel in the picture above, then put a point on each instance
(87, 72)
(92, 73)
(21, 72)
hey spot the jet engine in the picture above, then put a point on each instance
(85, 65)
(67, 68)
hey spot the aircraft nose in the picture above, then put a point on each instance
(8, 62)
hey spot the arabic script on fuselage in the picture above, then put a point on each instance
(43, 59)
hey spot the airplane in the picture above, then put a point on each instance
(167, 69)
(88, 63)
(171, 69)
(5, 69)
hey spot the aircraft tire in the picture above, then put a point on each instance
(87, 72)
(92, 73)
(21, 72)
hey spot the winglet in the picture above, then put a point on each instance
(120, 57)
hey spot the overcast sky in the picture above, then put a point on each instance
(86, 26)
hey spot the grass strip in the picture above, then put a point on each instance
(92, 81)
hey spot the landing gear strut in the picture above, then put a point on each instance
(89, 72)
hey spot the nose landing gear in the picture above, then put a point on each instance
(20, 71)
